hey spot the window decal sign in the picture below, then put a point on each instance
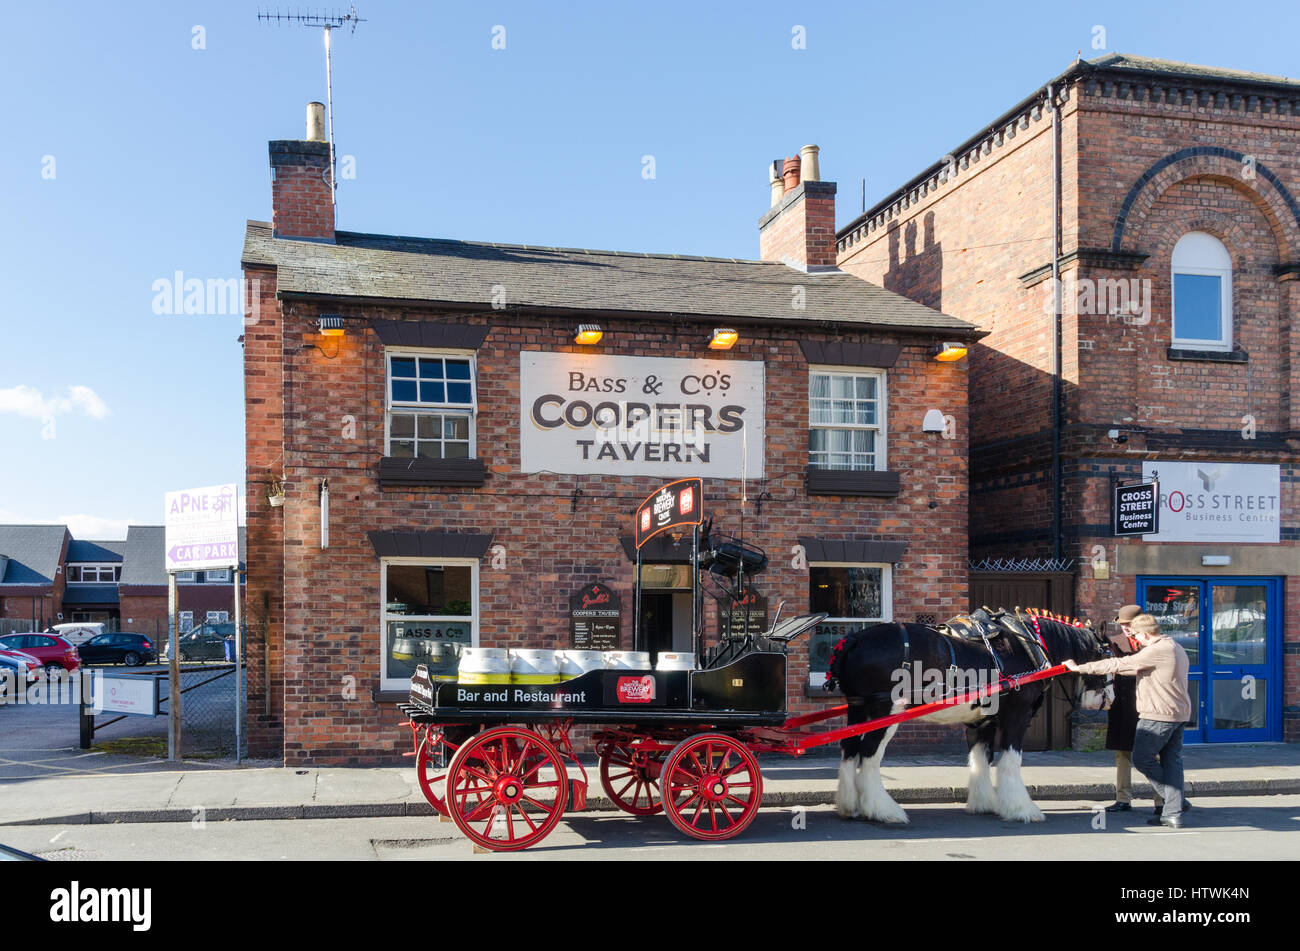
(657, 416)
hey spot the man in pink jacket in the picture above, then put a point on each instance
(1163, 707)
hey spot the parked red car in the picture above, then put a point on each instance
(53, 651)
(21, 664)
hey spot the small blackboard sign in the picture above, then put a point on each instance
(595, 616)
(756, 605)
(1136, 510)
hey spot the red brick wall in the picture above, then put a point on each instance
(331, 598)
(803, 232)
(962, 246)
(264, 396)
(302, 200)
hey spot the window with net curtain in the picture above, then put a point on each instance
(846, 419)
(1202, 292)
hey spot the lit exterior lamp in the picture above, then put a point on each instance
(949, 352)
(331, 325)
(588, 335)
(723, 339)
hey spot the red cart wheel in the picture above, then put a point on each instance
(711, 786)
(506, 789)
(630, 778)
(433, 787)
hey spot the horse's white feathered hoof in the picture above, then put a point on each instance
(1022, 812)
(882, 809)
(846, 795)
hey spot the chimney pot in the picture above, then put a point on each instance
(774, 181)
(791, 173)
(315, 122)
(809, 171)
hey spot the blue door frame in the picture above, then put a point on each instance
(1229, 680)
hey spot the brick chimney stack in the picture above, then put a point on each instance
(302, 201)
(799, 229)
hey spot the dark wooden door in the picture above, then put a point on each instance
(1052, 591)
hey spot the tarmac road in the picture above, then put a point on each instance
(1229, 828)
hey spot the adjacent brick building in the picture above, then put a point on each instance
(454, 466)
(48, 577)
(1175, 181)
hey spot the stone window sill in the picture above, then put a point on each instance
(403, 473)
(1206, 356)
(852, 482)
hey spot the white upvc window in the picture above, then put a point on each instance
(184, 622)
(94, 574)
(431, 404)
(854, 596)
(1201, 292)
(429, 610)
(846, 418)
(186, 577)
(217, 575)
(218, 617)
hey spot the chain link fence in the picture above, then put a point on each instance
(208, 694)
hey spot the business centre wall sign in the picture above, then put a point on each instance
(660, 416)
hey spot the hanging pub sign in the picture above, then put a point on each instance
(1136, 510)
(595, 616)
(747, 616)
(675, 505)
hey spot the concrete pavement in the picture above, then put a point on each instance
(71, 789)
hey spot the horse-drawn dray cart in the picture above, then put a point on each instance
(497, 759)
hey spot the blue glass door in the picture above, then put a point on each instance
(1230, 628)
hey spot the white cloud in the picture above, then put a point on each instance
(94, 527)
(23, 400)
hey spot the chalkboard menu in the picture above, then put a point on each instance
(734, 619)
(595, 615)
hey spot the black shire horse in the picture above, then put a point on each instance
(887, 668)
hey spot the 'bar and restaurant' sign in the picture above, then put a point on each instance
(659, 416)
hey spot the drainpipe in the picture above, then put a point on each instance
(1056, 322)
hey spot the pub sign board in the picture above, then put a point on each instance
(676, 505)
(756, 605)
(602, 414)
(1136, 510)
(595, 617)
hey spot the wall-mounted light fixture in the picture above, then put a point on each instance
(933, 421)
(723, 338)
(331, 325)
(949, 352)
(588, 335)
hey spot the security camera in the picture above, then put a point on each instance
(1116, 436)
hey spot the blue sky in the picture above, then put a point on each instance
(129, 154)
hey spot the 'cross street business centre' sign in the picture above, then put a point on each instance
(1136, 510)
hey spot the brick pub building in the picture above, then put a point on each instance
(454, 465)
(1169, 193)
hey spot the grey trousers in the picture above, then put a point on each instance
(1158, 755)
(1124, 778)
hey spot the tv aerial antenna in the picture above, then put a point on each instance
(327, 23)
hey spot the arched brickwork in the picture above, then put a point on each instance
(1264, 189)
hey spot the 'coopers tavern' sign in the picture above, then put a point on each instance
(1217, 502)
(660, 416)
(594, 615)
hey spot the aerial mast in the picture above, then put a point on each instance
(328, 23)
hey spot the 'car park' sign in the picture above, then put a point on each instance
(202, 528)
